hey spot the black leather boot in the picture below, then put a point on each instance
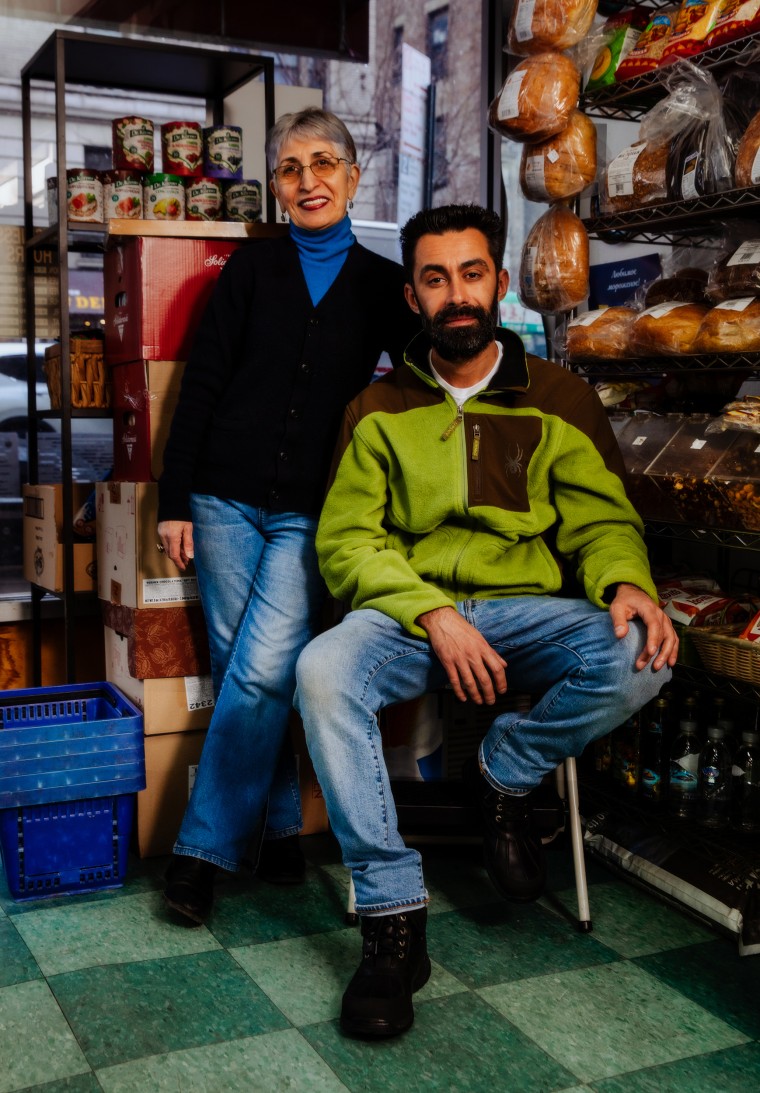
(281, 861)
(395, 964)
(514, 856)
(190, 887)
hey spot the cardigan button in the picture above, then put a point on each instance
(284, 456)
(306, 368)
(294, 414)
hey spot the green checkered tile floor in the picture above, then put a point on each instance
(105, 992)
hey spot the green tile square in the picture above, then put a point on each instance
(632, 922)
(69, 936)
(610, 1019)
(271, 1062)
(305, 977)
(736, 1069)
(16, 962)
(715, 977)
(504, 942)
(36, 1043)
(82, 1083)
(150, 1007)
(456, 1043)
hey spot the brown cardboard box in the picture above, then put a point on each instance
(131, 569)
(170, 764)
(156, 290)
(161, 641)
(170, 705)
(145, 395)
(43, 539)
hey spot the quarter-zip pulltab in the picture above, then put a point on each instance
(475, 443)
(450, 429)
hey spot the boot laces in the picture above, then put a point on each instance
(386, 936)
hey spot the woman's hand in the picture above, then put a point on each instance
(177, 540)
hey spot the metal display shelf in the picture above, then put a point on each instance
(743, 540)
(627, 101)
(699, 677)
(657, 366)
(671, 221)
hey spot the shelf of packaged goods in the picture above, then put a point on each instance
(627, 101)
(658, 366)
(687, 533)
(697, 219)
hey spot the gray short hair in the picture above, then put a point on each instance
(311, 122)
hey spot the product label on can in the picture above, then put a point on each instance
(182, 147)
(122, 196)
(242, 201)
(133, 143)
(224, 150)
(203, 199)
(84, 196)
(164, 197)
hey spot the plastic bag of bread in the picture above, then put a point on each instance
(636, 176)
(563, 165)
(554, 264)
(737, 273)
(735, 20)
(747, 170)
(742, 414)
(648, 51)
(536, 99)
(600, 335)
(611, 45)
(666, 329)
(694, 21)
(538, 25)
(732, 326)
(686, 285)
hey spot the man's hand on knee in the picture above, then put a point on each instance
(474, 669)
(631, 602)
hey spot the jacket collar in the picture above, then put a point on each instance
(512, 374)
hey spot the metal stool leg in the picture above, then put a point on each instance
(351, 917)
(576, 838)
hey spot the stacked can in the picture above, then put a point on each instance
(223, 152)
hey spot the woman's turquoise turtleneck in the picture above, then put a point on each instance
(322, 254)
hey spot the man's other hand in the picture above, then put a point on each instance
(474, 669)
(631, 603)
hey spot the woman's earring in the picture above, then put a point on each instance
(283, 217)
(350, 204)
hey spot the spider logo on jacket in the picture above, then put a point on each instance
(513, 463)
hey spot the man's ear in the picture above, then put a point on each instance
(502, 283)
(411, 299)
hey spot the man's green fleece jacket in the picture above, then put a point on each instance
(511, 497)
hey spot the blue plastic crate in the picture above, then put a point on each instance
(67, 847)
(69, 743)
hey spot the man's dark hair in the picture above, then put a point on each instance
(451, 218)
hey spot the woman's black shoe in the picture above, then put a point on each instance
(281, 861)
(395, 964)
(190, 887)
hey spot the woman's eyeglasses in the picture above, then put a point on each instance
(322, 167)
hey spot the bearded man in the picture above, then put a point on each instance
(470, 487)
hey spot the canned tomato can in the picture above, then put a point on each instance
(133, 140)
(122, 195)
(164, 197)
(223, 151)
(84, 196)
(242, 201)
(182, 148)
(203, 199)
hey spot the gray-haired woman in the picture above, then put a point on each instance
(293, 331)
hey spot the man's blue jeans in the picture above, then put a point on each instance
(262, 596)
(563, 650)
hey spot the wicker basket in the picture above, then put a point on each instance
(723, 652)
(90, 385)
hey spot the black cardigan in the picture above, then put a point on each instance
(269, 375)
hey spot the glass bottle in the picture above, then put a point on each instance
(625, 754)
(745, 784)
(683, 784)
(714, 779)
(654, 773)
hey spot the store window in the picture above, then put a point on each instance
(521, 215)
(396, 44)
(438, 42)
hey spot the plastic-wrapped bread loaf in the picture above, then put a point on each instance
(536, 99)
(563, 165)
(669, 328)
(538, 25)
(554, 265)
(600, 335)
(636, 176)
(731, 327)
(738, 273)
(747, 172)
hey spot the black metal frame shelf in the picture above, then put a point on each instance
(73, 59)
(699, 676)
(627, 101)
(658, 366)
(743, 540)
(670, 221)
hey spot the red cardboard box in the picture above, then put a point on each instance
(161, 642)
(156, 289)
(145, 397)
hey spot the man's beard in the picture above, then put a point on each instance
(461, 343)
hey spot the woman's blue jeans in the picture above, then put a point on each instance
(262, 596)
(563, 650)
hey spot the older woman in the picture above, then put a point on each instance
(293, 331)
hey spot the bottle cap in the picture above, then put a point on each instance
(687, 726)
(751, 737)
(715, 732)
